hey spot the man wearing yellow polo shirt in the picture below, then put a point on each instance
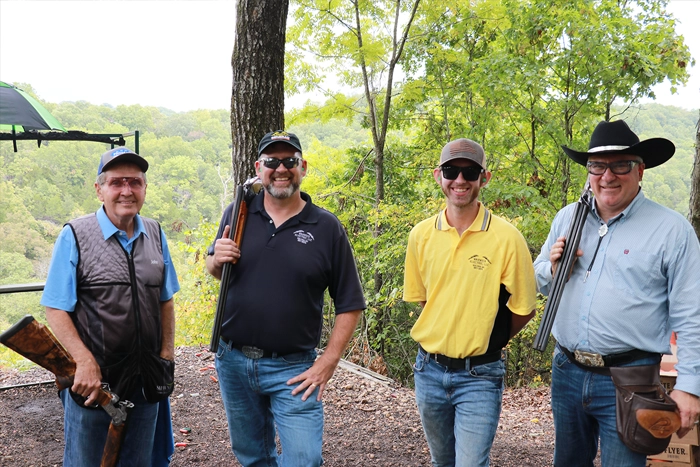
(472, 274)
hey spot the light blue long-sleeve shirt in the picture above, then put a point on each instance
(61, 289)
(643, 284)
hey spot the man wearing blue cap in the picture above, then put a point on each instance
(291, 252)
(109, 301)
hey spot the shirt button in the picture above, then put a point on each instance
(270, 221)
(273, 235)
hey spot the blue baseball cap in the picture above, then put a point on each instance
(121, 155)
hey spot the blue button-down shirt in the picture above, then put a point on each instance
(61, 289)
(643, 284)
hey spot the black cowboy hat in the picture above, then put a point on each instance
(611, 138)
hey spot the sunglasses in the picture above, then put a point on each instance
(618, 168)
(272, 163)
(470, 173)
(118, 183)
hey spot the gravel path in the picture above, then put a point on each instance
(370, 421)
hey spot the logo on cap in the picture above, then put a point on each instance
(118, 151)
(280, 135)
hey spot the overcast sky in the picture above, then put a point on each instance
(173, 54)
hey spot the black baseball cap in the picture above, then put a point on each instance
(279, 136)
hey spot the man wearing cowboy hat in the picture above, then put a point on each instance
(635, 280)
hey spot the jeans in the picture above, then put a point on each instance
(85, 433)
(459, 410)
(257, 399)
(583, 404)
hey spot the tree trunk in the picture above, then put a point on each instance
(257, 98)
(695, 185)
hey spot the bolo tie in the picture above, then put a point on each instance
(602, 232)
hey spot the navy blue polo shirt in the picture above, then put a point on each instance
(276, 289)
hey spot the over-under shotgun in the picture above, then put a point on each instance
(34, 341)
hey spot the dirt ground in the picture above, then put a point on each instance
(370, 421)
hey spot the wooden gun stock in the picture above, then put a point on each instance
(34, 341)
(238, 219)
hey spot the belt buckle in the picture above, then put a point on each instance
(252, 352)
(589, 358)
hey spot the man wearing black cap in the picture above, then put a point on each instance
(291, 252)
(472, 274)
(109, 301)
(635, 280)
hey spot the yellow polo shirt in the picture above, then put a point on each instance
(461, 278)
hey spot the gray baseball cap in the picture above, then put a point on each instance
(463, 148)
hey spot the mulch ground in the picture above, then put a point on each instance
(369, 421)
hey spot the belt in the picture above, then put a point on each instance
(466, 363)
(253, 352)
(598, 363)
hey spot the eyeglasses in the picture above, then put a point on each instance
(118, 183)
(618, 168)
(273, 163)
(470, 173)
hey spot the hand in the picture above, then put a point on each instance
(556, 253)
(315, 377)
(689, 409)
(87, 380)
(225, 249)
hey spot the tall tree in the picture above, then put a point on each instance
(362, 42)
(695, 185)
(257, 98)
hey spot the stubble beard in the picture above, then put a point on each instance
(282, 193)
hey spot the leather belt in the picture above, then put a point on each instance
(466, 363)
(253, 352)
(598, 363)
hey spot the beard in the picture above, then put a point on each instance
(282, 193)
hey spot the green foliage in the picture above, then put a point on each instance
(199, 292)
(520, 77)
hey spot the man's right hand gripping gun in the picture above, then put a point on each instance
(34, 341)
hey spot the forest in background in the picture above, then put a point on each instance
(398, 79)
(189, 183)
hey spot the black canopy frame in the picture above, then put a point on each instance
(113, 139)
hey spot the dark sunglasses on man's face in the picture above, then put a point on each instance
(470, 173)
(272, 163)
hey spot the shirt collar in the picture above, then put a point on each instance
(109, 229)
(481, 223)
(307, 215)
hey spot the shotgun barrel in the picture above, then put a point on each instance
(239, 215)
(566, 263)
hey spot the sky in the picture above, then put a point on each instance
(164, 53)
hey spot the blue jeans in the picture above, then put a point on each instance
(459, 410)
(583, 404)
(85, 433)
(257, 398)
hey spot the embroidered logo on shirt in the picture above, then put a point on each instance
(303, 237)
(627, 252)
(479, 262)
(154, 261)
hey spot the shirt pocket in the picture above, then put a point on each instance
(638, 272)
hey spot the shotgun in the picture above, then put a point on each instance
(239, 215)
(566, 263)
(34, 341)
